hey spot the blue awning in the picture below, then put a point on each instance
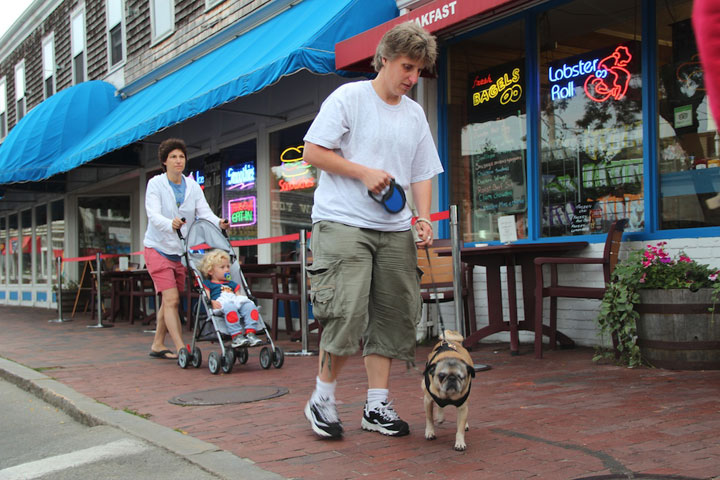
(51, 128)
(302, 37)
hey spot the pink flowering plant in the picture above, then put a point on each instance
(652, 267)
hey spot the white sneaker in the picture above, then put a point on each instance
(240, 341)
(253, 341)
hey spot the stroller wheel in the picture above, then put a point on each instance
(196, 360)
(214, 363)
(228, 360)
(183, 357)
(242, 355)
(265, 358)
(278, 357)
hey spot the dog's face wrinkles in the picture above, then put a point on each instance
(450, 377)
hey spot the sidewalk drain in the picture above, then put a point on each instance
(228, 395)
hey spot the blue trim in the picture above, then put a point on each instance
(13, 296)
(532, 117)
(2, 294)
(648, 63)
(443, 143)
(54, 298)
(27, 296)
(41, 296)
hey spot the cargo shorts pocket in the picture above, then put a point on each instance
(325, 290)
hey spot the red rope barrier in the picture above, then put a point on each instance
(293, 237)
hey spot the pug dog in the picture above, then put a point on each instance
(447, 380)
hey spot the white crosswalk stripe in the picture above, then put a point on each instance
(39, 468)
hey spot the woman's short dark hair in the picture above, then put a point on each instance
(168, 146)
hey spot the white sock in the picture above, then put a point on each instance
(324, 389)
(376, 396)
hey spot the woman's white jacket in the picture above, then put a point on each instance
(161, 208)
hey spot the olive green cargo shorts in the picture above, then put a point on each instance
(365, 284)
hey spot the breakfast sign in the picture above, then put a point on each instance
(497, 93)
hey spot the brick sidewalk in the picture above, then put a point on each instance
(563, 417)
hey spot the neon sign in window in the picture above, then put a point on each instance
(242, 211)
(605, 77)
(294, 173)
(240, 178)
(198, 176)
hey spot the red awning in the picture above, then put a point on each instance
(356, 52)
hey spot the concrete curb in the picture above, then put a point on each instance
(92, 413)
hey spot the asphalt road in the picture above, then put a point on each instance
(38, 441)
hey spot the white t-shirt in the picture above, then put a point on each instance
(358, 125)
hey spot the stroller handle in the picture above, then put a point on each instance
(178, 230)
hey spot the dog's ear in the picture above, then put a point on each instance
(471, 371)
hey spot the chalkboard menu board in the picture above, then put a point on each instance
(499, 181)
(581, 219)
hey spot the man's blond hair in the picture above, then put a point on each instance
(212, 258)
(408, 39)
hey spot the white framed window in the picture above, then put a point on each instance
(77, 45)
(20, 103)
(115, 32)
(162, 14)
(48, 59)
(211, 3)
(3, 108)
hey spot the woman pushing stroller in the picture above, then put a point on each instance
(238, 310)
(170, 199)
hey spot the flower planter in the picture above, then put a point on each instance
(676, 331)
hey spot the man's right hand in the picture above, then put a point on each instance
(376, 180)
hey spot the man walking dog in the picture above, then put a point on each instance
(371, 143)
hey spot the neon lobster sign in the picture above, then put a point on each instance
(606, 78)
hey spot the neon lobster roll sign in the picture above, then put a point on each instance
(607, 77)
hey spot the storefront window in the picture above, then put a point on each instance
(104, 226)
(293, 183)
(57, 235)
(239, 188)
(13, 248)
(591, 166)
(41, 244)
(27, 250)
(487, 131)
(689, 145)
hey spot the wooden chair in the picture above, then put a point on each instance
(555, 290)
(442, 274)
(142, 288)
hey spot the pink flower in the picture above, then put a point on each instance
(666, 260)
(646, 263)
(642, 279)
(713, 276)
(685, 259)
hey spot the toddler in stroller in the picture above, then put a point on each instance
(211, 324)
(241, 314)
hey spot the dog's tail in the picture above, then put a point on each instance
(453, 336)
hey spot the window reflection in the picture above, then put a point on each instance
(41, 245)
(487, 123)
(689, 143)
(591, 162)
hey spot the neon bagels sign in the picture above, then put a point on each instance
(606, 78)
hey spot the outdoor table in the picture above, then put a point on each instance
(492, 257)
(120, 281)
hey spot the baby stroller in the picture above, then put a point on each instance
(209, 325)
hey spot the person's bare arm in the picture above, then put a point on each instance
(422, 196)
(325, 159)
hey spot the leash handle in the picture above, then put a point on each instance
(437, 297)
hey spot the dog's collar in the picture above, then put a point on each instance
(444, 346)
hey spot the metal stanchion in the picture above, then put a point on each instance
(457, 279)
(303, 300)
(457, 270)
(98, 295)
(60, 318)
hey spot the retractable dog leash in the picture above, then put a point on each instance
(393, 200)
(437, 298)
